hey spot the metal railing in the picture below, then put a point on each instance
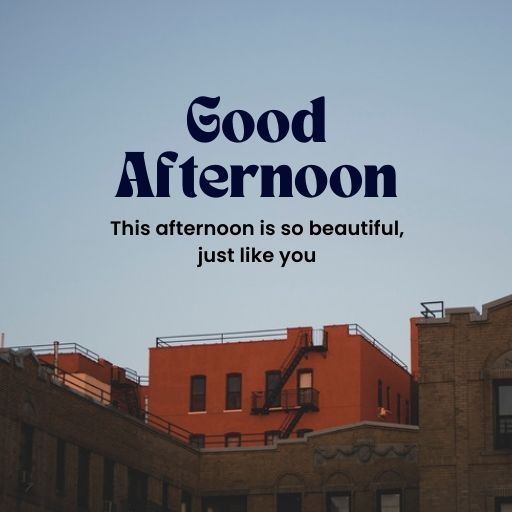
(288, 399)
(135, 377)
(433, 309)
(222, 337)
(64, 348)
(357, 330)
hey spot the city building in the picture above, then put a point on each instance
(251, 388)
(80, 434)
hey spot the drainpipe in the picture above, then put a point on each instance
(56, 356)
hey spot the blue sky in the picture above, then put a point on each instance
(422, 86)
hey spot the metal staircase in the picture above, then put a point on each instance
(301, 347)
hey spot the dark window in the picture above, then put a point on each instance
(503, 411)
(272, 385)
(137, 490)
(407, 413)
(26, 447)
(198, 393)
(82, 488)
(388, 398)
(271, 436)
(60, 467)
(338, 502)
(379, 393)
(232, 439)
(503, 504)
(398, 409)
(225, 504)
(197, 440)
(165, 496)
(304, 387)
(186, 501)
(234, 391)
(108, 480)
(389, 501)
(303, 431)
(289, 502)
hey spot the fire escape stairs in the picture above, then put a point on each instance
(125, 396)
(290, 422)
(303, 345)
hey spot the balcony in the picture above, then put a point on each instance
(288, 399)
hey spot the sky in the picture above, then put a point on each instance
(422, 86)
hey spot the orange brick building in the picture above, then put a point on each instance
(249, 388)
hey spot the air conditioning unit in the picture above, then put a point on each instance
(109, 506)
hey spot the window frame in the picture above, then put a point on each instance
(501, 441)
(194, 406)
(237, 394)
(334, 494)
(501, 500)
(284, 495)
(60, 467)
(83, 480)
(192, 438)
(109, 479)
(383, 492)
(232, 435)
(271, 433)
(277, 401)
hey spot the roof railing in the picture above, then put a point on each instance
(356, 329)
(222, 337)
(433, 309)
(64, 348)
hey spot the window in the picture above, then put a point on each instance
(289, 502)
(234, 391)
(272, 386)
(303, 431)
(271, 436)
(407, 413)
(198, 393)
(379, 393)
(137, 490)
(503, 504)
(388, 398)
(197, 440)
(389, 501)
(60, 467)
(304, 387)
(398, 408)
(225, 504)
(165, 496)
(108, 480)
(338, 502)
(186, 502)
(26, 447)
(503, 412)
(233, 439)
(82, 488)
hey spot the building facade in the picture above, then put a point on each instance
(228, 390)
(64, 447)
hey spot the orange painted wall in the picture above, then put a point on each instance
(78, 363)
(346, 377)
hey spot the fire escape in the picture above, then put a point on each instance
(296, 402)
(125, 392)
